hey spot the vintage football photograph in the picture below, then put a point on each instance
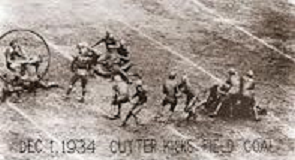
(147, 79)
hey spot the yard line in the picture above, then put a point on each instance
(290, 130)
(14, 107)
(181, 56)
(173, 130)
(230, 22)
(32, 121)
(68, 56)
(169, 49)
(60, 50)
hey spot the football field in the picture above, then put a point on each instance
(203, 38)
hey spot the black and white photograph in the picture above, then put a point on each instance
(147, 79)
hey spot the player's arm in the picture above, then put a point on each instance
(90, 49)
(136, 94)
(73, 64)
(114, 46)
(99, 42)
(126, 58)
(165, 90)
(20, 53)
(177, 91)
(252, 86)
(123, 58)
(89, 66)
(222, 90)
(115, 89)
(7, 55)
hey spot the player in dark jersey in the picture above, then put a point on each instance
(112, 64)
(141, 95)
(124, 55)
(171, 94)
(81, 66)
(110, 42)
(14, 56)
(186, 88)
(13, 86)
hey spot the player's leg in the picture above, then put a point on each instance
(84, 82)
(173, 104)
(126, 67)
(118, 115)
(255, 108)
(5, 94)
(234, 99)
(73, 80)
(130, 113)
(188, 104)
(219, 104)
(119, 102)
(118, 71)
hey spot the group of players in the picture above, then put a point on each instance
(21, 73)
(235, 90)
(115, 64)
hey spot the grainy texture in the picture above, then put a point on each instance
(183, 27)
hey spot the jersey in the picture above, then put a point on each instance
(121, 89)
(170, 88)
(82, 64)
(187, 88)
(124, 53)
(248, 87)
(109, 43)
(235, 84)
(141, 93)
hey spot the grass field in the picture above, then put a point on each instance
(202, 38)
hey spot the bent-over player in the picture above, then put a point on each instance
(171, 92)
(230, 90)
(120, 95)
(141, 95)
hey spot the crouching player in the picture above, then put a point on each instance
(12, 86)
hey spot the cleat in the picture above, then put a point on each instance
(81, 100)
(115, 117)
